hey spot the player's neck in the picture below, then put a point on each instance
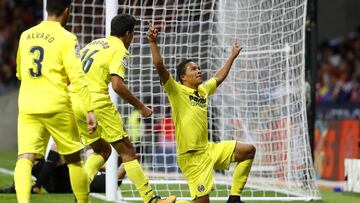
(58, 19)
(123, 39)
(192, 86)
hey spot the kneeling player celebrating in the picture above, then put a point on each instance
(197, 157)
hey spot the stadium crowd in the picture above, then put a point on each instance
(15, 17)
(338, 75)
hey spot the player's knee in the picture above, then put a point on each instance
(244, 152)
(252, 152)
(128, 155)
(28, 156)
(102, 147)
(73, 158)
(125, 148)
(106, 152)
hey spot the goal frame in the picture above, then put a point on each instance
(112, 193)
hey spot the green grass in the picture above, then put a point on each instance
(7, 161)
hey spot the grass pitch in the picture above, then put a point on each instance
(7, 161)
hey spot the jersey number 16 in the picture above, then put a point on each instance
(87, 60)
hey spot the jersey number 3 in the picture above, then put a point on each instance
(37, 61)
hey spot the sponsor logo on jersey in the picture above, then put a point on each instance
(197, 100)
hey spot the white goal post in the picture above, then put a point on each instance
(262, 101)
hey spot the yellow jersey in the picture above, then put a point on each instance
(102, 58)
(189, 112)
(47, 62)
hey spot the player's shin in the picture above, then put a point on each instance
(93, 164)
(241, 173)
(22, 178)
(137, 176)
(79, 182)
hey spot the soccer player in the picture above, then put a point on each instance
(197, 157)
(103, 61)
(47, 62)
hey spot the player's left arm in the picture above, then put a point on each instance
(117, 66)
(72, 64)
(75, 74)
(222, 73)
(123, 91)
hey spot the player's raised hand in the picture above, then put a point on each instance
(91, 122)
(152, 33)
(145, 111)
(236, 49)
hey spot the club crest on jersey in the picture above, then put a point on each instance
(201, 188)
(125, 61)
(77, 50)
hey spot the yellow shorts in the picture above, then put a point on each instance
(34, 131)
(110, 125)
(197, 167)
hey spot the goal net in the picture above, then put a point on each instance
(262, 101)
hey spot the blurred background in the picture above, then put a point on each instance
(333, 75)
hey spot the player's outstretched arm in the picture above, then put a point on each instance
(122, 90)
(222, 73)
(155, 52)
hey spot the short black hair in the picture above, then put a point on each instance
(181, 68)
(57, 7)
(122, 23)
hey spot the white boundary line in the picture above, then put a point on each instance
(6, 171)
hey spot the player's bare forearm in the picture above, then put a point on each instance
(122, 90)
(221, 74)
(159, 63)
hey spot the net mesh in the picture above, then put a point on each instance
(262, 101)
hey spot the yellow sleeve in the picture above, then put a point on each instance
(210, 86)
(75, 73)
(118, 64)
(171, 86)
(18, 61)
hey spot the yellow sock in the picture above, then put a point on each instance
(22, 178)
(93, 164)
(241, 173)
(79, 182)
(141, 182)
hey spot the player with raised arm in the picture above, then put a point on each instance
(197, 157)
(47, 62)
(105, 60)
